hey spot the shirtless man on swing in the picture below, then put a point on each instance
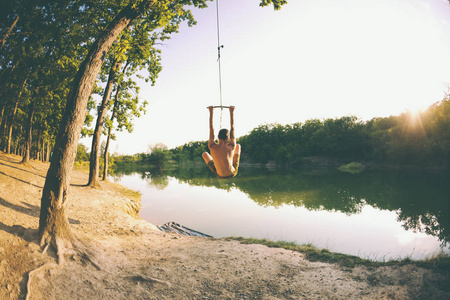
(225, 155)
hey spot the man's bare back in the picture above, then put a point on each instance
(224, 158)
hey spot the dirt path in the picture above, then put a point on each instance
(139, 262)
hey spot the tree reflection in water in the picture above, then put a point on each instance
(421, 200)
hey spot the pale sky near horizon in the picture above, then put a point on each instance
(312, 59)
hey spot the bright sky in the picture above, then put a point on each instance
(312, 59)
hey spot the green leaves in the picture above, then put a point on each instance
(420, 139)
(276, 3)
(44, 42)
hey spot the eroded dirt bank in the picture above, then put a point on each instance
(139, 262)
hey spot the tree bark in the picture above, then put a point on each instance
(8, 146)
(108, 139)
(53, 224)
(43, 150)
(4, 78)
(42, 145)
(2, 112)
(3, 127)
(113, 115)
(28, 134)
(106, 156)
(38, 145)
(47, 157)
(95, 148)
(13, 116)
(9, 31)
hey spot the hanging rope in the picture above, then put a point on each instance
(219, 46)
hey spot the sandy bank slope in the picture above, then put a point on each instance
(139, 262)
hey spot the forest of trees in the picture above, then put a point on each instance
(42, 48)
(54, 56)
(418, 139)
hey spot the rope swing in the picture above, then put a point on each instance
(219, 47)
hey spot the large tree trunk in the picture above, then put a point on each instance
(53, 224)
(28, 134)
(95, 148)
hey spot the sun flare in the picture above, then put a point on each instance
(414, 119)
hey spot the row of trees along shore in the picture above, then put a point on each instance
(414, 139)
(420, 139)
(54, 54)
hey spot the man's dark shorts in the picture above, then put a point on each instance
(212, 167)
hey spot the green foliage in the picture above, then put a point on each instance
(396, 140)
(82, 154)
(190, 152)
(125, 159)
(419, 139)
(352, 168)
(276, 3)
(159, 155)
(44, 50)
(44, 43)
(287, 145)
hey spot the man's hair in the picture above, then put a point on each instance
(223, 134)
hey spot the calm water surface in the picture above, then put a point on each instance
(376, 215)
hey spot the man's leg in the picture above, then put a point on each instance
(207, 157)
(209, 161)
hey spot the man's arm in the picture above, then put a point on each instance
(211, 126)
(232, 137)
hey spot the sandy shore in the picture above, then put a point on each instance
(139, 262)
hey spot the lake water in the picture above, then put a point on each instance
(378, 215)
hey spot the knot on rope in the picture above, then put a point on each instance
(218, 52)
